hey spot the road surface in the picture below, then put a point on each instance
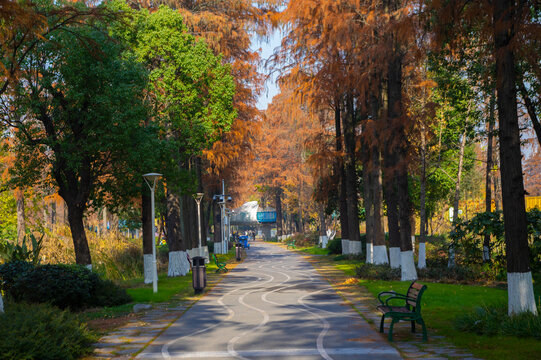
(272, 306)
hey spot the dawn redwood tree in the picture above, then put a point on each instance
(519, 277)
(79, 105)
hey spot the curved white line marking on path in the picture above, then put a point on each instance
(231, 342)
(231, 313)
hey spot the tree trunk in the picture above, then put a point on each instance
(421, 262)
(456, 200)
(488, 177)
(354, 245)
(380, 249)
(217, 228)
(279, 220)
(341, 173)
(104, 219)
(146, 221)
(519, 277)
(530, 107)
(368, 206)
(322, 226)
(80, 243)
(21, 218)
(177, 254)
(391, 195)
(394, 91)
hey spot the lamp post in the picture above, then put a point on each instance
(151, 179)
(222, 217)
(198, 198)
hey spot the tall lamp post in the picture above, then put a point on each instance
(198, 198)
(222, 217)
(151, 179)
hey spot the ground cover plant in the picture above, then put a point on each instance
(42, 331)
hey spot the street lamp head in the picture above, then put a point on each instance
(151, 179)
(198, 197)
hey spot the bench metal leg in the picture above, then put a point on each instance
(422, 322)
(413, 326)
(391, 329)
(381, 323)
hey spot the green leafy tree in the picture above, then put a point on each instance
(78, 110)
(191, 92)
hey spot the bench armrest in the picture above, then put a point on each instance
(381, 295)
(397, 296)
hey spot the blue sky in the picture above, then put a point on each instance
(267, 48)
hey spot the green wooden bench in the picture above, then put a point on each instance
(409, 311)
(291, 244)
(221, 265)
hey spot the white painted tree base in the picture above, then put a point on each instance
(147, 268)
(408, 266)
(486, 254)
(218, 248)
(520, 293)
(413, 242)
(421, 262)
(345, 247)
(369, 253)
(88, 266)
(394, 257)
(451, 263)
(380, 255)
(1, 304)
(178, 264)
(323, 240)
(355, 247)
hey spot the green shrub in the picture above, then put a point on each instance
(61, 285)
(11, 272)
(335, 246)
(377, 272)
(107, 293)
(492, 321)
(65, 286)
(42, 332)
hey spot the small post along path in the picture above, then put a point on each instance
(272, 306)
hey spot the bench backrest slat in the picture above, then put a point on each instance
(414, 295)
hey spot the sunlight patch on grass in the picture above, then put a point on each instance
(314, 250)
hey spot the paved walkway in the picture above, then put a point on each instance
(274, 305)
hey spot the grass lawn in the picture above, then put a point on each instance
(443, 302)
(313, 250)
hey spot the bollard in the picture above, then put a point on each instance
(199, 274)
(238, 251)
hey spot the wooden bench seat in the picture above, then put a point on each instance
(409, 311)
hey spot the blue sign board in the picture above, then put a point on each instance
(266, 216)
